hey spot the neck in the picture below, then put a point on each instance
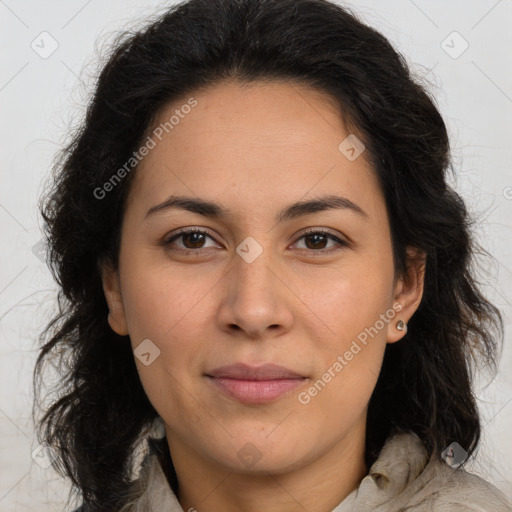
(208, 487)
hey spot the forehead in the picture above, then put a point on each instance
(252, 143)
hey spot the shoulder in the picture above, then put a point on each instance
(456, 489)
(405, 476)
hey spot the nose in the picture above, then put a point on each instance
(256, 300)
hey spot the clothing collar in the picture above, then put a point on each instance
(401, 478)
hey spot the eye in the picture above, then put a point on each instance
(317, 239)
(193, 240)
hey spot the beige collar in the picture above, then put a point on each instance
(400, 479)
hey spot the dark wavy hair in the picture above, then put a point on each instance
(101, 411)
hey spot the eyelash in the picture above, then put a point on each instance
(311, 231)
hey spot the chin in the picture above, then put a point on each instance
(258, 455)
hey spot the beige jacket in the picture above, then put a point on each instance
(399, 480)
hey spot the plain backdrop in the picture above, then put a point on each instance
(48, 60)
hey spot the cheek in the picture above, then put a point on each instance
(159, 300)
(169, 305)
(351, 361)
(350, 305)
(157, 309)
(349, 300)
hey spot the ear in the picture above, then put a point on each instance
(112, 291)
(408, 292)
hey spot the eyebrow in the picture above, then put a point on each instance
(290, 212)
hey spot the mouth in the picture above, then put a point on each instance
(255, 385)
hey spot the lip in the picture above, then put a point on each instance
(255, 385)
(243, 371)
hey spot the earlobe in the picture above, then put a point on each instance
(112, 291)
(408, 293)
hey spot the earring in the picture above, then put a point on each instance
(401, 326)
(157, 430)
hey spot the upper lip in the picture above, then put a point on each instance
(243, 371)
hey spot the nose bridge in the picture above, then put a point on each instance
(254, 272)
(255, 297)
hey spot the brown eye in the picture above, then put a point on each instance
(316, 240)
(192, 239)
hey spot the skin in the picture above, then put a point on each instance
(255, 149)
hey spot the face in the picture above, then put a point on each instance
(309, 289)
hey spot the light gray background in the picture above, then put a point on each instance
(40, 97)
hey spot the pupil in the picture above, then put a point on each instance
(315, 244)
(189, 235)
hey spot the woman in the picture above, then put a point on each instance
(266, 280)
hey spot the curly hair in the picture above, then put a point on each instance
(100, 414)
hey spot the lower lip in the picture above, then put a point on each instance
(255, 391)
